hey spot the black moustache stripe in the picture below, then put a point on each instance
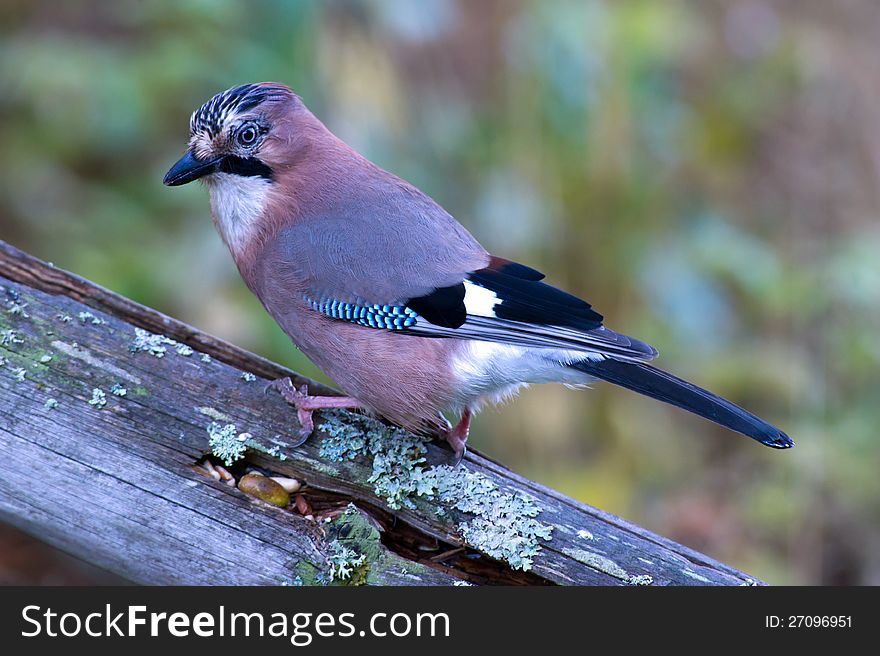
(247, 167)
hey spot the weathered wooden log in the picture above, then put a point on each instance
(109, 411)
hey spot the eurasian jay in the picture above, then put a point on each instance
(387, 293)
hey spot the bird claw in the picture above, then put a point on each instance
(305, 404)
(297, 398)
(457, 438)
(307, 426)
(459, 449)
(457, 456)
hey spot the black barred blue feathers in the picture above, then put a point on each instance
(388, 317)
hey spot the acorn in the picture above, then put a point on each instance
(264, 488)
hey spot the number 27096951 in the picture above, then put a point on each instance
(808, 621)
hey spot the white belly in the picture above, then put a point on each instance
(492, 372)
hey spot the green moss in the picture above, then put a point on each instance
(356, 555)
(353, 546)
(346, 565)
(309, 574)
(499, 523)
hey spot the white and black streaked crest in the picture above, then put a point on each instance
(213, 115)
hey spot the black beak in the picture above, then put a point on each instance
(189, 168)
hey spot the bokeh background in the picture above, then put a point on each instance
(705, 173)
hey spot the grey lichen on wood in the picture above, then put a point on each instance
(501, 524)
(110, 476)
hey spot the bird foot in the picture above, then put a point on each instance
(457, 437)
(305, 404)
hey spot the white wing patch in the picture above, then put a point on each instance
(479, 301)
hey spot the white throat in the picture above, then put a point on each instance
(237, 202)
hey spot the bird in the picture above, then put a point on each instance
(387, 293)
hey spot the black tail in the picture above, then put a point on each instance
(663, 386)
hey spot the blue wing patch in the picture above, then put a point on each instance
(388, 317)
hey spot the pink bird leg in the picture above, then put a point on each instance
(305, 404)
(457, 436)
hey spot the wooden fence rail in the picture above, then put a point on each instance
(109, 409)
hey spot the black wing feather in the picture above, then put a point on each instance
(531, 301)
(528, 313)
(442, 307)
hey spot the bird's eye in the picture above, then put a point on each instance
(247, 136)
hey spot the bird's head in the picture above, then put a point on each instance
(243, 143)
(232, 134)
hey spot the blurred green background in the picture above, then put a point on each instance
(705, 173)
